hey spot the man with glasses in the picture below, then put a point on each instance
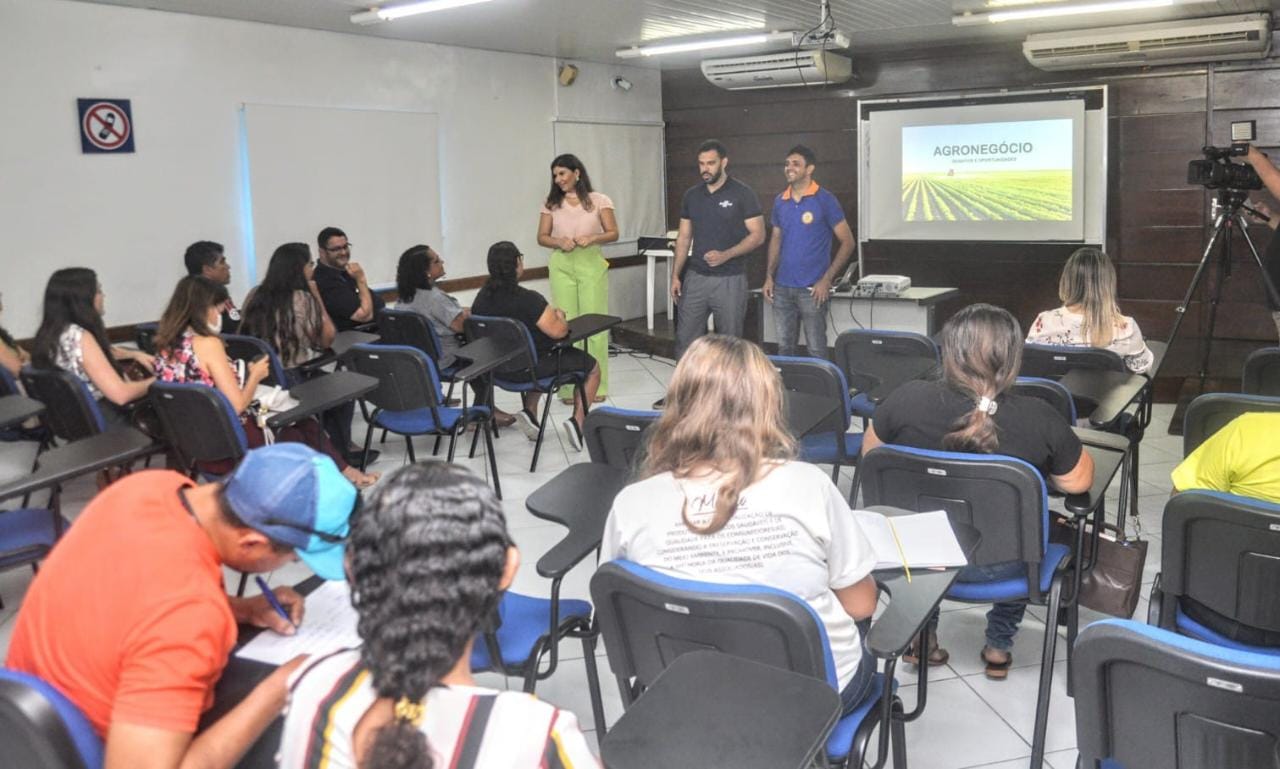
(342, 283)
(129, 618)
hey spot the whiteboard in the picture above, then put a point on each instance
(372, 173)
(627, 162)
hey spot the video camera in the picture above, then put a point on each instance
(1216, 171)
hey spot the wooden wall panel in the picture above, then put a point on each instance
(1157, 223)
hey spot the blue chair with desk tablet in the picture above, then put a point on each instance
(1006, 500)
(199, 424)
(829, 442)
(41, 729)
(1219, 570)
(71, 413)
(1261, 373)
(1211, 412)
(616, 437)
(1147, 698)
(648, 619)
(518, 375)
(880, 360)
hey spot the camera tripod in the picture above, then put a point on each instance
(1229, 216)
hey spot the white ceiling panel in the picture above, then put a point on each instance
(594, 29)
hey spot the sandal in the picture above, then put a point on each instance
(937, 655)
(996, 671)
(361, 480)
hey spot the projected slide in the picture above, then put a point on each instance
(988, 172)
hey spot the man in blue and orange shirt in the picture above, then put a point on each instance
(801, 268)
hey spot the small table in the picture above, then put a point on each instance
(321, 394)
(653, 250)
(16, 409)
(87, 455)
(1112, 391)
(486, 355)
(345, 340)
(585, 326)
(804, 411)
(711, 709)
(579, 498)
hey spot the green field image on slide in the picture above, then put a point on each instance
(992, 196)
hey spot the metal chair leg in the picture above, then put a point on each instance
(593, 683)
(542, 430)
(408, 442)
(1045, 690)
(493, 463)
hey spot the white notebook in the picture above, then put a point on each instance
(925, 539)
(329, 624)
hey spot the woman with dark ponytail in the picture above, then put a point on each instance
(970, 409)
(428, 558)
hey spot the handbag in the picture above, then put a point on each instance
(1114, 585)
(268, 400)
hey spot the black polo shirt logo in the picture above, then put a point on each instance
(726, 204)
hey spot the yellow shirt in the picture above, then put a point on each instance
(1242, 458)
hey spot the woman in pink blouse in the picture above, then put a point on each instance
(575, 221)
(1089, 316)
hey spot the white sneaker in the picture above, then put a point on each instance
(527, 424)
(571, 432)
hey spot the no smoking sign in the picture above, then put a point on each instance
(106, 125)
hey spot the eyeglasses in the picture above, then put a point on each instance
(324, 536)
(335, 249)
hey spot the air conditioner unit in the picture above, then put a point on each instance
(1218, 38)
(778, 70)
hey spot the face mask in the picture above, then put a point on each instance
(216, 326)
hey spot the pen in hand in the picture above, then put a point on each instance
(275, 602)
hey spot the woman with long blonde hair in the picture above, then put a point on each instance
(1089, 316)
(723, 500)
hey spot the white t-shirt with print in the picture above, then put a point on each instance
(792, 531)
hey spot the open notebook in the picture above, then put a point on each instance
(924, 539)
(330, 623)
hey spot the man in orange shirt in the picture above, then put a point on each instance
(129, 618)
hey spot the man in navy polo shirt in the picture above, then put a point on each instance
(801, 270)
(721, 216)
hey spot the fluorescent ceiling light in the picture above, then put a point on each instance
(1063, 9)
(658, 49)
(375, 15)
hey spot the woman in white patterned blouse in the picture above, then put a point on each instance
(1089, 316)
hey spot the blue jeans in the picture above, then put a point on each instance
(1003, 619)
(793, 307)
(859, 687)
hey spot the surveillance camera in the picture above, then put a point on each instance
(622, 83)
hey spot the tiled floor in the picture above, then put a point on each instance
(969, 721)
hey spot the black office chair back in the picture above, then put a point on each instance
(1002, 497)
(407, 378)
(144, 334)
(508, 333)
(71, 413)
(1052, 361)
(408, 328)
(199, 423)
(1261, 375)
(41, 729)
(1211, 412)
(1049, 391)
(1222, 551)
(884, 359)
(246, 348)
(648, 619)
(815, 376)
(1148, 699)
(617, 437)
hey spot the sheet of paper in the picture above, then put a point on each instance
(926, 539)
(330, 623)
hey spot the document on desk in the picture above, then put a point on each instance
(923, 540)
(330, 623)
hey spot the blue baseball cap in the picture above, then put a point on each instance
(296, 496)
